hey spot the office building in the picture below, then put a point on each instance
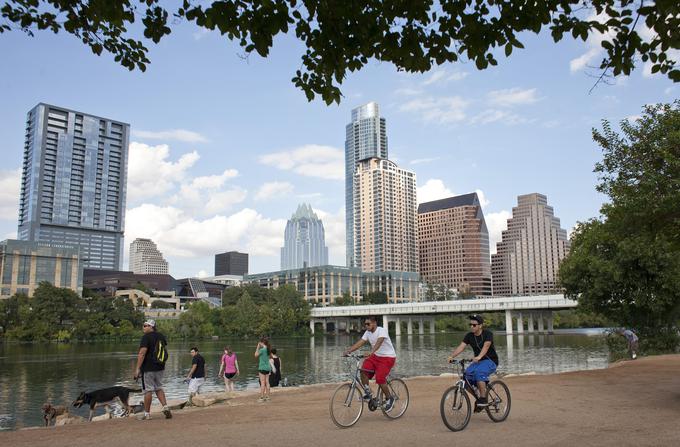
(145, 258)
(73, 184)
(385, 217)
(304, 241)
(365, 137)
(454, 244)
(231, 263)
(527, 258)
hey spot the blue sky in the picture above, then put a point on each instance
(223, 149)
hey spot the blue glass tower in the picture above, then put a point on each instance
(304, 241)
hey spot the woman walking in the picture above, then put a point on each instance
(275, 376)
(262, 354)
(228, 364)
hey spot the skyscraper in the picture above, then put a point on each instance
(365, 137)
(385, 217)
(231, 263)
(74, 183)
(528, 256)
(304, 242)
(454, 244)
(145, 258)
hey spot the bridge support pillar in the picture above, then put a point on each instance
(432, 328)
(336, 327)
(324, 322)
(508, 322)
(397, 326)
(409, 326)
(348, 325)
(386, 323)
(520, 323)
(550, 322)
(311, 325)
(421, 327)
(540, 323)
(530, 323)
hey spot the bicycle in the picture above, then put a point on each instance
(347, 401)
(455, 407)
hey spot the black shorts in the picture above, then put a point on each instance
(264, 371)
(229, 375)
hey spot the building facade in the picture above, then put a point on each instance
(324, 284)
(231, 263)
(24, 265)
(145, 259)
(453, 244)
(365, 137)
(385, 217)
(74, 183)
(528, 256)
(304, 241)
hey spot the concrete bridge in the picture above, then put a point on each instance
(536, 309)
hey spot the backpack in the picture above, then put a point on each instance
(160, 354)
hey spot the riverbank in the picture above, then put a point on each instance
(632, 403)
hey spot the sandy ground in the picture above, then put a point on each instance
(634, 403)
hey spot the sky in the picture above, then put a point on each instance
(223, 148)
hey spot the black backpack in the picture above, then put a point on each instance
(160, 353)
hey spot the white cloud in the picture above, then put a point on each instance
(213, 181)
(202, 274)
(585, 59)
(669, 90)
(151, 174)
(433, 189)
(407, 91)
(496, 223)
(436, 76)
(10, 188)
(270, 190)
(442, 76)
(187, 136)
(310, 160)
(442, 110)
(334, 227)
(224, 200)
(483, 201)
(512, 97)
(419, 161)
(496, 115)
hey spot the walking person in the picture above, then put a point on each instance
(228, 364)
(633, 341)
(151, 360)
(262, 354)
(275, 376)
(196, 376)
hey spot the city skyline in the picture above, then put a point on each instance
(204, 176)
(304, 243)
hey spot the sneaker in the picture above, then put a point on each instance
(144, 417)
(260, 400)
(167, 413)
(634, 356)
(389, 404)
(481, 403)
(267, 397)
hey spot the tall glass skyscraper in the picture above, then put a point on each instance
(365, 137)
(74, 183)
(304, 240)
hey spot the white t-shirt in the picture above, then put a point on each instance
(386, 348)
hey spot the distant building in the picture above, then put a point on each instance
(454, 244)
(324, 284)
(231, 263)
(108, 282)
(385, 217)
(145, 258)
(304, 240)
(24, 265)
(74, 182)
(527, 258)
(365, 137)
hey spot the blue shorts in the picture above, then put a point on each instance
(480, 371)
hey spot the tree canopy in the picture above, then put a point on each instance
(625, 265)
(343, 36)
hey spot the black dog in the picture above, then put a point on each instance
(104, 397)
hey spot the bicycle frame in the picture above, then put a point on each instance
(357, 385)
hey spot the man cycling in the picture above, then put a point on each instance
(380, 360)
(485, 361)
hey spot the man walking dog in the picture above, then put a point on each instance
(151, 360)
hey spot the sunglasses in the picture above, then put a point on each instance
(473, 324)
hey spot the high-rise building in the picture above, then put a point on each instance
(304, 242)
(74, 182)
(231, 263)
(527, 258)
(145, 259)
(365, 137)
(454, 244)
(385, 217)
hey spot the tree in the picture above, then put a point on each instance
(375, 298)
(625, 265)
(342, 37)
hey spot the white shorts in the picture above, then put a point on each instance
(195, 384)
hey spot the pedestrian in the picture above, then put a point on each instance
(151, 360)
(275, 376)
(633, 341)
(229, 364)
(196, 376)
(263, 354)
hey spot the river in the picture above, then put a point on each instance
(32, 374)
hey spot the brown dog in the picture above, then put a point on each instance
(50, 412)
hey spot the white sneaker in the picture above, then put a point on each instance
(144, 417)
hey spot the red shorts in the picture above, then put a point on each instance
(380, 365)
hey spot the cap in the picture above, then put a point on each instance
(151, 323)
(477, 318)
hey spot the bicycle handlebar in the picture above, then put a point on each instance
(460, 361)
(355, 356)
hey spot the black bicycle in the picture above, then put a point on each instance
(455, 406)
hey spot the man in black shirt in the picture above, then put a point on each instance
(150, 369)
(485, 361)
(196, 376)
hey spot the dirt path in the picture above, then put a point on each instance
(635, 403)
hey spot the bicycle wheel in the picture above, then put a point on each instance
(399, 391)
(455, 408)
(498, 396)
(346, 405)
